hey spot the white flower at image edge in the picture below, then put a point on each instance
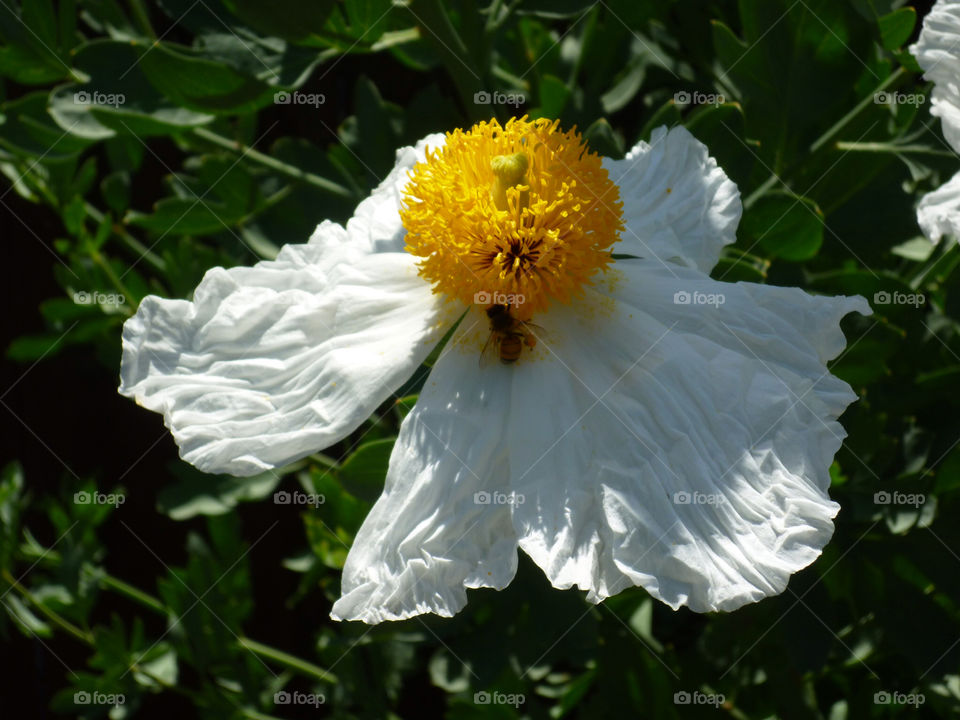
(938, 52)
(680, 447)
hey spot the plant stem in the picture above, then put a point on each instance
(456, 55)
(829, 134)
(54, 617)
(119, 586)
(857, 109)
(287, 660)
(142, 18)
(879, 147)
(281, 167)
(131, 242)
(298, 665)
(100, 262)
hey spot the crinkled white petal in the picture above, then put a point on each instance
(678, 205)
(272, 362)
(939, 211)
(376, 221)
(638, 399)
(938, 52)
(431, 535)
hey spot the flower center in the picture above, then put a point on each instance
(513, 215)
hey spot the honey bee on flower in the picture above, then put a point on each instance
(679, 446)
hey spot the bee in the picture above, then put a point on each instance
(508, 335)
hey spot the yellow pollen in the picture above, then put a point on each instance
(522, 211)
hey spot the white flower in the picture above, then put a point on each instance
(667, 430)
(938, 53)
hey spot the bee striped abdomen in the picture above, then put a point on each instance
(511, 346)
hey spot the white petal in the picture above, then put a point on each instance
(678, 205)
(938, 53)
(272, 362)
(648, 398)
(429, 535)
(377, 219)
(939, 211)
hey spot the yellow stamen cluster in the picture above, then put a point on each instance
(522, 209)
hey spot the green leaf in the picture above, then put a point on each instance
(288, 19)
(554, 94)
(202, 494)
(214, 195)
(897, 27)
(74, 213)
(24, 618)
(626, 86)
(357, 25)
(555, 9)
(115, 188)
(200, 84)
(919, 249)
(31, 52)
(28, 129)
(119, 97)
(363, 473)
(787, 227)
(601, 138)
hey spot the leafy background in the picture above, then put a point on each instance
(199, 596)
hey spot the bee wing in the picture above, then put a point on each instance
(490, 350)
(536, 331)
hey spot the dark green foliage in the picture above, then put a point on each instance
(163, 139)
